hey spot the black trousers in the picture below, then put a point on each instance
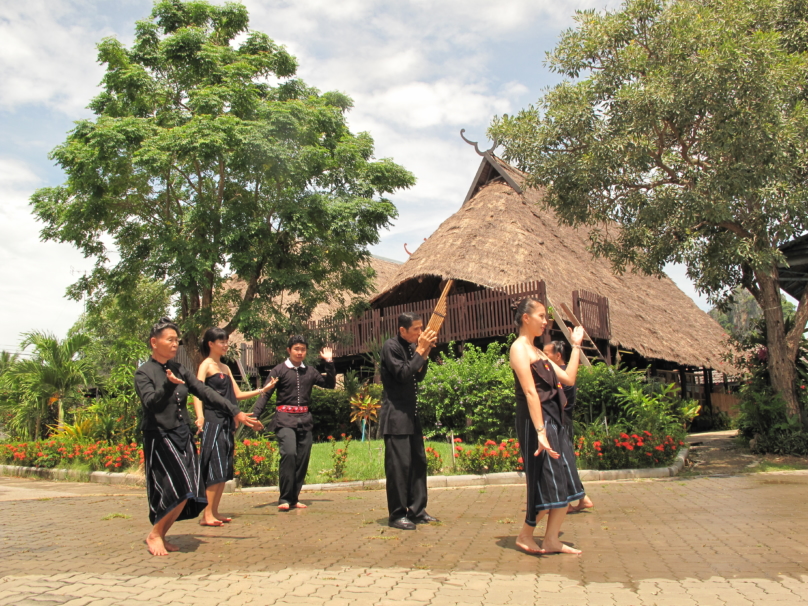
(405, 468)
(295, 448)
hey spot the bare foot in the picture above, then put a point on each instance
(528, 544)
(170, 546)
(550, 548)
(301, 506)
(210, 522)
(283, 507)
(156, 545)
(223, 519)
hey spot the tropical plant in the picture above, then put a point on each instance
(51, 377)
(365, 409)
(207, 158)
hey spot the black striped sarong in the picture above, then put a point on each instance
(551, 483)
(172, 473)
(216, 453)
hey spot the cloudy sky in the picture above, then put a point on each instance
(418, 72)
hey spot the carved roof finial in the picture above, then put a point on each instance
(476, 147)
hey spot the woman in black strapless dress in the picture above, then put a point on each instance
(549, 461)
(218, 428)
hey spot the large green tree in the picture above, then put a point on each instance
(679, 135)
(207, 159)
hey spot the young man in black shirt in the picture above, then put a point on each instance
(293, 422)
(404, 363)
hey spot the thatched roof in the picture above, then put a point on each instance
(502, 235)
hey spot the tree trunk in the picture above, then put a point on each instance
(782, 366)
(61, 411)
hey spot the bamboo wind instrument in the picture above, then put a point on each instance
(439, 315)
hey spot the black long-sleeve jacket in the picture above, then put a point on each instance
(402, 369)
(294, 389)
(164, 402)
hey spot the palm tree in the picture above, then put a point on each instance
(53, 373)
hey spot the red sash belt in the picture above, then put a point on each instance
(293, 409)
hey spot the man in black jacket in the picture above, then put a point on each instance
(173, 486)
(293, 422)
(404, 363)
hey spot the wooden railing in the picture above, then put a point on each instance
(593, 312)
(476, 315)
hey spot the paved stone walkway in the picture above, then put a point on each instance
(699, 541)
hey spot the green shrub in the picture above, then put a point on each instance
(763, 421)
(599, 388)
(472, 394)
(331, 409)
(256, 463)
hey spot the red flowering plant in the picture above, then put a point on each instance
(256, 462)
(434, 462)
(489, 457)
(617, 449)
(62, 453)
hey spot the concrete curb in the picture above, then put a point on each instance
(491, 479)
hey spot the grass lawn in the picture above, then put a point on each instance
(365, 460)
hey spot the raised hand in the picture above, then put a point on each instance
(173, 379)
(327, 354)
(272, 382)
(577, 335)
(428, 338)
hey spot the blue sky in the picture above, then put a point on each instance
(418, 72)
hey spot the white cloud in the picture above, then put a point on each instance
(47, 54)
(34, 274)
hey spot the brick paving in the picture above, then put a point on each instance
(696, 541)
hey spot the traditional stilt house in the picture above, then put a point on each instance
(503, 243)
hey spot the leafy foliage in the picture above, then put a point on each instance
(46, 382)
(206, 157)
(472, 394)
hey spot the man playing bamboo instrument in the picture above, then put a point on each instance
(403, 365)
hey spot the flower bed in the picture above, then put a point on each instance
(626, 451)
(489, 457)
(48, 454)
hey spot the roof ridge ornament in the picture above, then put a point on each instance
(476, 146)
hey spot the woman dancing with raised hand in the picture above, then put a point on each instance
(217, 426)
(173, 487)
(550, 472)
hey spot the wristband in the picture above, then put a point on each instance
(540, 429)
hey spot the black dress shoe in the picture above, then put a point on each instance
(402, 524)
(424, 518)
